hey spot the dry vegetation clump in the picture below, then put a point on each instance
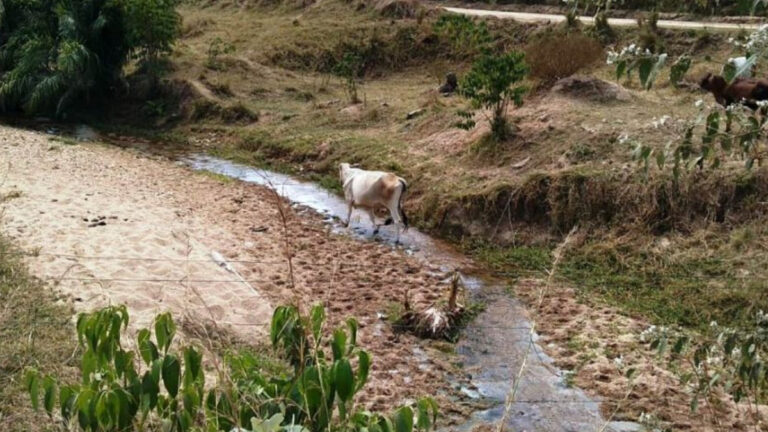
(560, 200)
(438, 321)
(398, 8)
(553, 56)
(36, 331)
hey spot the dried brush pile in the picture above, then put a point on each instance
(438, 321)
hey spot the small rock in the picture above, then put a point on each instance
(413, 114)
(450, 85)
(522, 163)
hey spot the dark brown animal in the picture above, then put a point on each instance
(746, 91)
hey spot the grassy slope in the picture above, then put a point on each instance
(578, 172)
(36, 331)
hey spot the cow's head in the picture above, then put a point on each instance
(343, 170)
(713, 83)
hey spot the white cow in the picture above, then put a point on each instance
(370, 190)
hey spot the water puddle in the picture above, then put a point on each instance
(492, 348)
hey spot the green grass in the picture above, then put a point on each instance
(685, 286)
(512, 262)
(36, 331)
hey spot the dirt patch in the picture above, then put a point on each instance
(113, 226)
(591, 88)
(598, 344)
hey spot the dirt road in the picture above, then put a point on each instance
(526, 17)
(111, 226)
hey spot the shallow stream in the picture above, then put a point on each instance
(492, 348)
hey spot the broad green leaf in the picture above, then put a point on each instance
(344, 380)
(193, 366)
(645, 67)
(426, 414)
(679, 69)
(317, 319)
(621, 69)
(363, 368)
(339, 344)
(49, 394)
(147, 348)
(403, 420)
(32, 381)
(171, 374)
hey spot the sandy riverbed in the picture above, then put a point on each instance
(118, 227)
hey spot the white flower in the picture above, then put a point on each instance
(699, 103)
(713, 324)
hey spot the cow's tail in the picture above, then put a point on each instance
(403, 217)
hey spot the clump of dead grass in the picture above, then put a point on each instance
(36, 331)
(557, 56)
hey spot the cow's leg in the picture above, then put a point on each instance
(373, 222)
(394, 215)
(349, 214)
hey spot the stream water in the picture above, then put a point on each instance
(492, 347)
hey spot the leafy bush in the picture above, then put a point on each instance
(349, 69)
(121, 389)
(491, 85)
(467, 38)
(55, 54)
(558, 56)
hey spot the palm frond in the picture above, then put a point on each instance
(46, 93)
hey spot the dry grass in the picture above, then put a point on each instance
(553, 57)
(36, 331)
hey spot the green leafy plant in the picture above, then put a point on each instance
(722, 360)
(678, 70)
(467, 38)
(119, 392)
(349, 68)
(492, 84)
(153, 26)
(154, 387)
(647, 64)
(714, 136)
(58, 54)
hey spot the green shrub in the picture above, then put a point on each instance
(121, 389)
(349, 69)
(492, 84)
(466, 37)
